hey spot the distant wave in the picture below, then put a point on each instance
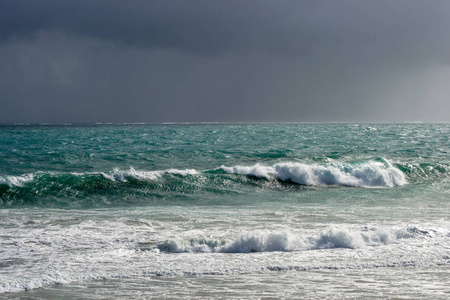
(367, 174)
(269, 241)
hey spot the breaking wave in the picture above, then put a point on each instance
(368, 174)
(113, 257)
(285, 241)
(11, 181)
(122, 176)
(139, 186)
(92, 188)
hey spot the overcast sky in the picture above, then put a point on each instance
(187, 61)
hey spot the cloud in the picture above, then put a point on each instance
(205, 27)
(155, 61)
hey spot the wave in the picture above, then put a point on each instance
(93, 188)
(285, 241)
(139, 186)
(81, 254)
(118, 175)
(115, 175)
(11, 181)
(421, 171)
(367, 174)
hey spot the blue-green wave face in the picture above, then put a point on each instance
(96, 166)
(152, 187)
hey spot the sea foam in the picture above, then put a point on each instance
(286, 241)
(11, 181)
(368, 174)
(118, 175)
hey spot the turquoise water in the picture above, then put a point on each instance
(95, 206)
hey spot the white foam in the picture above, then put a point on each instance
(270, 241)
(335, 237)
(369, 174)
(256, 170)
(16, 180)
(69, 250)
(199, 245)
(118, 175)
(266, 241)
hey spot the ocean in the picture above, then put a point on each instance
(230, 211)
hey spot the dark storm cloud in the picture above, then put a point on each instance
(156, 61)
(193, 25)
(221, 26)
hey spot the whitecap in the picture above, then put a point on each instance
(11, 181)
(368, 174)
(119, 175)
(286, 241)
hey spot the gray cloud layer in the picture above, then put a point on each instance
(156, 61)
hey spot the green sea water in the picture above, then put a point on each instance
(89, 206)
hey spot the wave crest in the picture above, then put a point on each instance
(11, 181)
(368, 174)
(118, 175)
(285, 241)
